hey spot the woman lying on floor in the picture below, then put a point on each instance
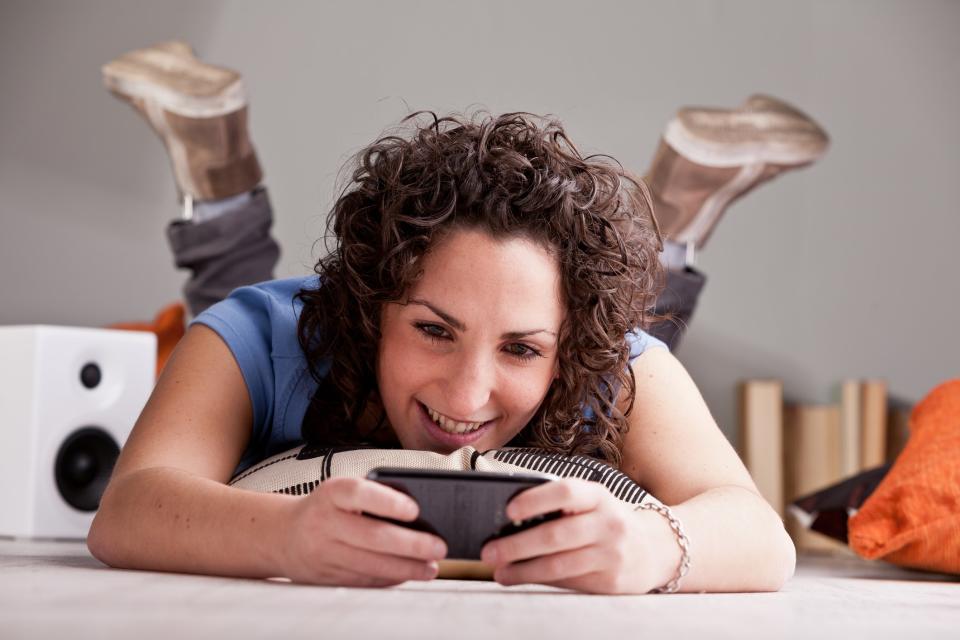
(489, 287)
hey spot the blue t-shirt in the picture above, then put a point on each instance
(259, 325)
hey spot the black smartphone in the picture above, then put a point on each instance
(465, 508)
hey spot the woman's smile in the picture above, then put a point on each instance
(452, 425)
(445, 436)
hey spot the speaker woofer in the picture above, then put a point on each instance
(83, 467)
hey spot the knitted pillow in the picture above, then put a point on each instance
(301, 469)
(913, 517)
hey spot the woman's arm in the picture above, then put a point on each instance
(601, 545)
(167, 506)
(168, 519)
(677, 452)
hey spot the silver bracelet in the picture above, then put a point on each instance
(682, 540)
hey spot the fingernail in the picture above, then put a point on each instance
(440, 549)
(432, 570)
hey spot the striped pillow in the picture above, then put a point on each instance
(301, 469)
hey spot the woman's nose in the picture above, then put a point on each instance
(469, 385)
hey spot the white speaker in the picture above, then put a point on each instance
(68, 400)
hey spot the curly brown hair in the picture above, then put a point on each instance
(517, 174)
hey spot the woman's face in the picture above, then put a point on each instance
(468, 360)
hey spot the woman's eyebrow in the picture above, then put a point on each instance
(459, 326)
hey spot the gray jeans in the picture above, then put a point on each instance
(677, 300)
(236, 249)
(229, 251)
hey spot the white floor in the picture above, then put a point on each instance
(57, 590)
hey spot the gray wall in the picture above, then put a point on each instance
(843, 269)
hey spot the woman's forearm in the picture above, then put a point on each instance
(166, 519)
(737, 543)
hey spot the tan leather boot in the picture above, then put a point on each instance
(709, 157)
(198, 110)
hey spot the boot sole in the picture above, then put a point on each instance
(725, 138)
(175, 83)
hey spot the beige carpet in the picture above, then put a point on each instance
(57, 590)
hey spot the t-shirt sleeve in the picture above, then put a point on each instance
(259, 325)
(639, 341)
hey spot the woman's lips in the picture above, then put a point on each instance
(455, 440)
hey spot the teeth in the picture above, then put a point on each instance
(452, 426)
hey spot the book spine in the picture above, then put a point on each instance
(898, 427)
(874, 424)
(850, 428)
(812, 461)
(761, 437)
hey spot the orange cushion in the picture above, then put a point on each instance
(913, 517)
(168, 325)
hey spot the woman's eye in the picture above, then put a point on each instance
(432, 331)
(523, 352)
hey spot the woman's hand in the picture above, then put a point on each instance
(598, 546)
(328, 541)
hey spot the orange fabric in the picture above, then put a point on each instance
(169, 326)
(913, 517)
